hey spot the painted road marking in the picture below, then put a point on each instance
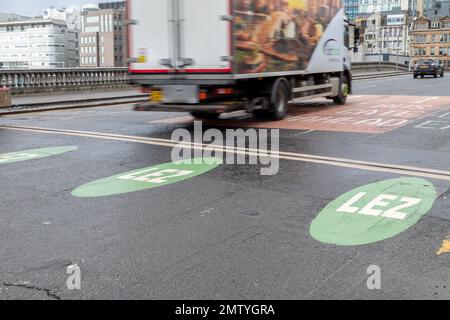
(427, 100)
(364, 114)
(437, 122)
(146, 178)
(17, 156)
(34, 154)
(374, 212)
(379, 202)
(333, 161)
(445, 247)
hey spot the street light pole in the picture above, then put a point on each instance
(380, 44)
(380, 47)
(398, 46)
(410, 31)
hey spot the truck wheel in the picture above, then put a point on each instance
(435, 74)
(279, 107)
(344, 91)
(442, 74)
(205, 115)
(415, 76)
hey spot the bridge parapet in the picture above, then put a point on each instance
(39, 80)
(364, 67)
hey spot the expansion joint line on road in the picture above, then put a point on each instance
(338, 162)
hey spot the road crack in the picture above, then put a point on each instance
(444, 195)
(31, 287)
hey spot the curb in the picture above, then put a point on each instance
(375, 76)
(42, 104)
(59, 107)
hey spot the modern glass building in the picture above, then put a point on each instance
(364, 8)
(351, 8)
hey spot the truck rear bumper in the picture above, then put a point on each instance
(208, 108)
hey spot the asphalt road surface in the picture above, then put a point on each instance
(230, 232)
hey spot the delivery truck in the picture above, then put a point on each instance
(209, 57)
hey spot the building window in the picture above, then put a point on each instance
(104, 23)
(92, 19)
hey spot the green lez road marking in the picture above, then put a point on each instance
(374, 212)
(147, 178)
(34, 154)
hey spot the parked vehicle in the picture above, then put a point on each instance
(429, 67)
(209, 57)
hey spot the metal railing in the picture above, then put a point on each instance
(378, 66)
(38, 80)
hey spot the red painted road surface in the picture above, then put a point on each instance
(365, 114)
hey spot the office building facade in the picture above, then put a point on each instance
(38, 44)
(431, 39)
(364, 8)
(103, 38)
(352, 9)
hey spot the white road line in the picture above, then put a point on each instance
(426, 100)
(333, 161)
(302, 133)
(37, 112)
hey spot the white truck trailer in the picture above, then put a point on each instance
(209, 57)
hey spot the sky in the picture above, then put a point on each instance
(34, 7)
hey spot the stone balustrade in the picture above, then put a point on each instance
(37, 80)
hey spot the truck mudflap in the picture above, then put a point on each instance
(207, 108)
